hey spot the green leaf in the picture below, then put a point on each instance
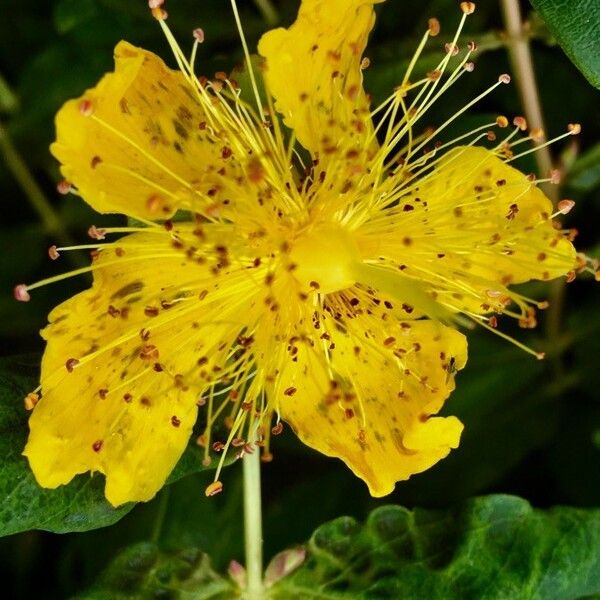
(142, 572)
(584, 175)
(495, 547)
(575, 26)
(79, 506)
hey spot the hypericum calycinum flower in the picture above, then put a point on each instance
(316, 273)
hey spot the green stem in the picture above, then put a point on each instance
(161, 513)
(50, 219)
(522, 65)
(21, 173)
(253, 526)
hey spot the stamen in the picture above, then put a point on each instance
(249, 66)
(216, 487)
(64, 187)
(21, 294)
(198, 34)
(565, 206)
(572, 129)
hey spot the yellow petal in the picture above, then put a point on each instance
(152, 333)
(133, 144)
(313, 71)
(371, 402)
(470, 227)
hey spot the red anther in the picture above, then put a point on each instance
(520, 122)
(31, 400)
(266, 457)
(71, 364)
(153, 203)
(504, 78)
(21, 294)
(493, 321)
(571, 275)
(175, 421)
(290, 391)
(64, 187)
(434, 27)
(472, 46)
(502, 121)
(216, 487)
(565, 206)
(537, 134)
(277, 429)
(53, 253)
(149, 352)
(198, 34)
(159, 14)
(86, 108)
(96, 234)
(451, 49)
(97, 445)
(555, 176)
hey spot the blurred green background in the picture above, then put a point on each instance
(532, 428)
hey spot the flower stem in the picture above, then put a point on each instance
(21, 173)
(522, 64)
(253, 526)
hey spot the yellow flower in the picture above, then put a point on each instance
(314, 272)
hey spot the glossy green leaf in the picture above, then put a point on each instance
(79, 506)
(584, 175)
(142, 572)
(575, 25)
(495, 547)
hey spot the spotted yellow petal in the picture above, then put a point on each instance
(368, 393)
(313, 71)
(135, 143)
(469, 228)
(127, 361)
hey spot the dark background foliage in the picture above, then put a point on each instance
(532, 428)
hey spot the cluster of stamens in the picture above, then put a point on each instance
(268, 212)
